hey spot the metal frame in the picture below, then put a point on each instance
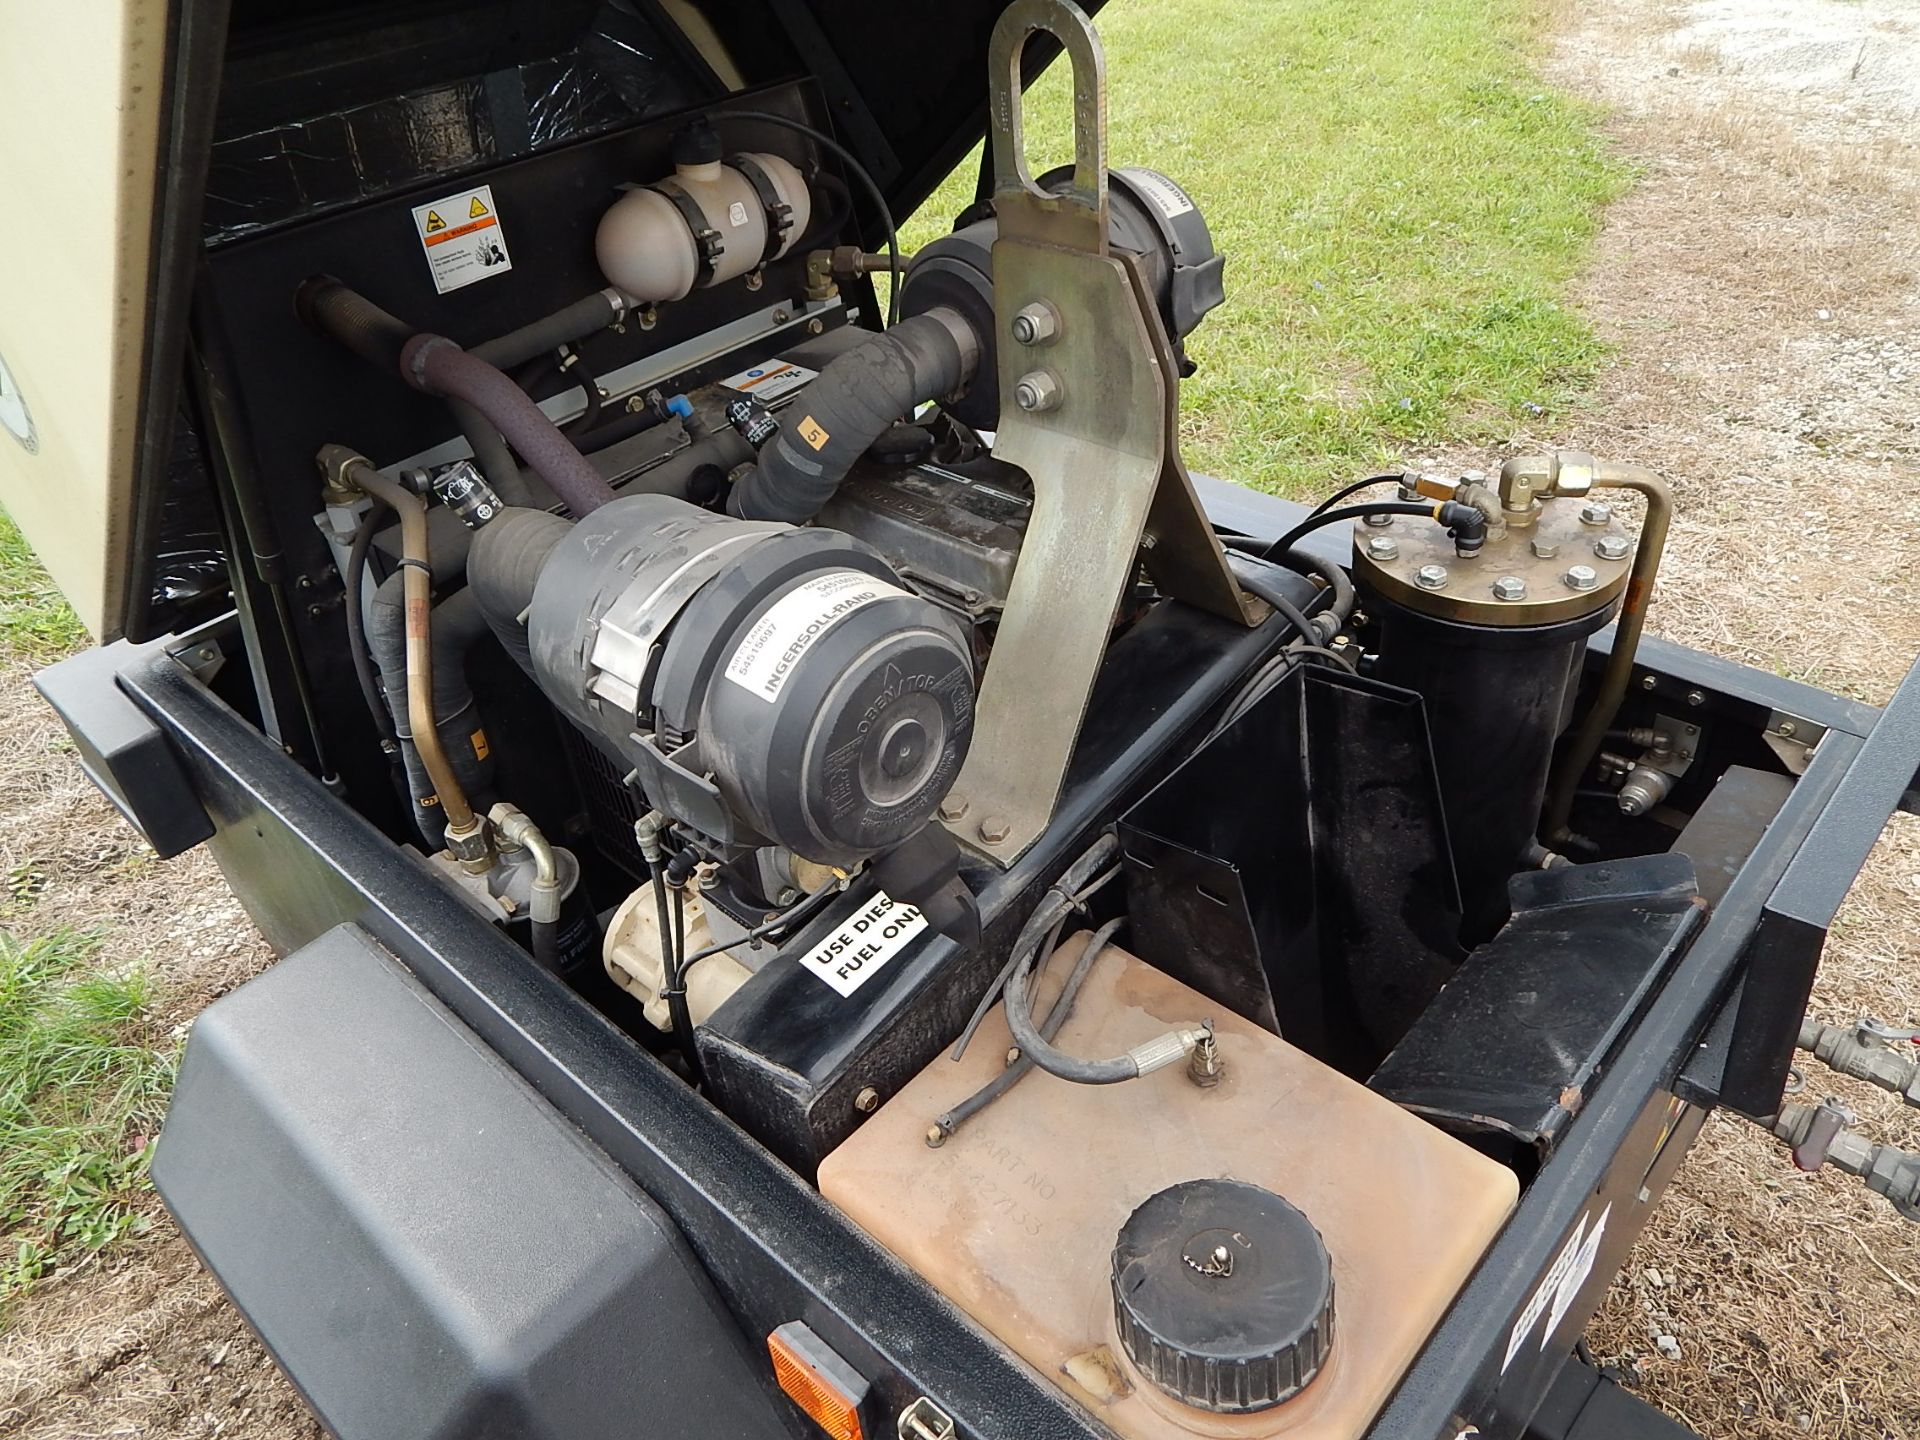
(777, 1251)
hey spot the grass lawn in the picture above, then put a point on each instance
(1401, 202)
(83, 1080)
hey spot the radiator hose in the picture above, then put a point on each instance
(856, 398)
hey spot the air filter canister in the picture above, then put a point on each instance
(765, 683)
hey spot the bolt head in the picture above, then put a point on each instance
(1037, 391)
(1378, 522)
(1595, 513)
(953, 808)
(1696, 697)
(994, 829)
(1509, 587)
(1649, 682)
(1611, 547)
(1430, 577)
(1582, 577)
(867, 1101)
(1545, 549)
(1382, 547)
(1035, 324)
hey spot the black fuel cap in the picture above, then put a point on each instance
(1223, 1294)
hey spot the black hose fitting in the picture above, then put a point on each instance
(1467, 524)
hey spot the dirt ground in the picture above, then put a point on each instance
(1760, 285)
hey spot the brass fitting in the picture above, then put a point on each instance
(820, 284)
(1527, 479)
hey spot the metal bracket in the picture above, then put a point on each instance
(1099, 441)
(1792, 739)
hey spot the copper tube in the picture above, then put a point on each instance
(355, 472)
(1626, 639)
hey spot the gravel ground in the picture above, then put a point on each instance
(1760, 288)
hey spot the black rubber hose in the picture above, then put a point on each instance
(546, 945)
(438, 366)
(1057, 1017)
(1354, 489)
(861, 173)
(1075, 884)
(354, 606)
(332, 308)
(567, 326)
(503, 566)
(1258, 580)
(458, 623)
(1338, 581)
(853, 402)
(596, 399)
(1035, 1046)
(1447, 512)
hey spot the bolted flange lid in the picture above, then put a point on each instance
(1223, 1295)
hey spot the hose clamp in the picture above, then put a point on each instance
(706, 240)
(779, 213)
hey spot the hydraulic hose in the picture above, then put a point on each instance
(464, 833)
(1586, 743)
(458, 624)
(504, 565)
(852, 403)
(439, 366)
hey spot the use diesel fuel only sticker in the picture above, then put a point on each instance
(462, 238)
(871, 936)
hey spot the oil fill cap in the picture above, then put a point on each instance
(1223, 1295)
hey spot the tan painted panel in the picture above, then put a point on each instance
(80, 101)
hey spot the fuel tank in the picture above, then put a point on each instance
(1016, 1217)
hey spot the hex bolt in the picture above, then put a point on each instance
(954, 807)
(816, 326)
(1611, 547)
(1430, 577)
(1382, 547)
(867, 1101)
(1582, 577)
(1649, 682)
(1035, 324)
(1595, 513)
(1696, 697)
(1545, 549)
(1509, 587)
(994, 829)
(1037, 391)
(1378, 521)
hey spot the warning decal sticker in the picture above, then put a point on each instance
(872, 936)
(1561, 1287)
(474, 248)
